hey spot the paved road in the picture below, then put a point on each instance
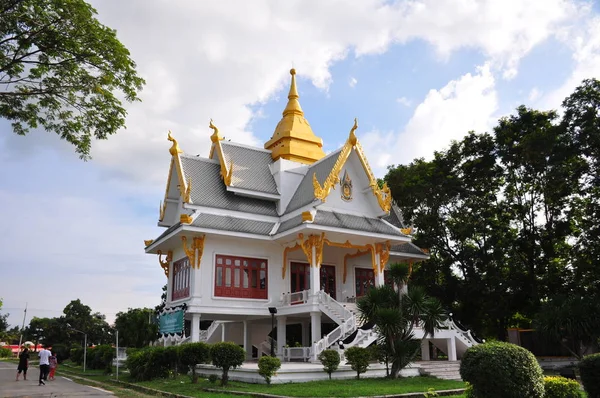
(61, 387)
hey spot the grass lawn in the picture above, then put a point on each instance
(325, 388)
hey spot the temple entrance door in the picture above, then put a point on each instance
(299, 277)
(328, 279)
(364, 279)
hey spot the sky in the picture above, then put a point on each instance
(417, 74)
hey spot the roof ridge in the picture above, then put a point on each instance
(246, 146)
(326, 157)
(198, 157)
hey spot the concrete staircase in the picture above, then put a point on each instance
(447, 370)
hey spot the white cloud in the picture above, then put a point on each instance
(468, 103)
(352, 82)
(404, 101)
(534, 94)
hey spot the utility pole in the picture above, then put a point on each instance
(23, 326)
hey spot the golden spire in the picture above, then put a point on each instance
(293, 138)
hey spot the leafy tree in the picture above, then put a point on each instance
(136, 328)
(163, 300)
(62, 70)
(358, 358)
(227, 355)
(396, 315)
(192, 354)
(330, 360)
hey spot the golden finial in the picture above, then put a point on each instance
(174, 150)
(215, 137)
(293, 106)
(352, 137)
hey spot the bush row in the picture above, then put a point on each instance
(98, 357)
(503, 370)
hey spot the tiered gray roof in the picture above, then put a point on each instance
(227, 223)
(209, 190)
(395, 217)
(250, 168)
(305, 193)
(407, 247)
(360, 223)
(289, 224)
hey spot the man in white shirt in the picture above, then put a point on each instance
(44, 355)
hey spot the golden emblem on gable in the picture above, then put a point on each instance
(346, 184)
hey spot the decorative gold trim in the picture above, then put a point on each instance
(148, 242)
(197, 244)
(383, 195)
(165, 264)
(384, 253)
(188, 191)
(307, 216)
(406, 231)
(426, 251)
(185, 219)
(184, 189)
(311, 241)
(349, 256)
(162, 207)
(174, 150)
(226, 173)
(285, 254)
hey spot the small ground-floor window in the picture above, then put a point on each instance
(181, 279)
(364, 279)
(241, 277)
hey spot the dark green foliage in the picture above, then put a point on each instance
(560, 387)
(330, 360)
(589, 369)
(173, 359)
(100, 357)
(213, 378)
(268, 367)
(61, 351)
(227, 355)
(149, 363)
(136, 328)
(358, 358)
(76, 355)
(502, 370)
(5, 352)
(192, 354)
(63, 71)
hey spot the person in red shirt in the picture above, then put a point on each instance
(53, 366)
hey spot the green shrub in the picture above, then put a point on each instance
(192, 354)
(213, 378)
(76, 355)
(5, 352)
(330, 360)
(469, 390)
(268, 367)
(358, 358)
(502, 370)
(172, 359)
(589, 369)
(100, 357)
(149, 363)
(560, 387)
(61, 351)
(227, 355)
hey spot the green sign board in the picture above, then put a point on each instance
(171, 322)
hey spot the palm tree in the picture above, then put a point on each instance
(395, 314)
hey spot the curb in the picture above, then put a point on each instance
(441, 393)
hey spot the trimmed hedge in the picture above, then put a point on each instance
(330, 360)
(148, 363)
(358, 358)
(268, 367)
(560, 387)
(192, 354)
(589, 369)
(227, 355)
(502, 370)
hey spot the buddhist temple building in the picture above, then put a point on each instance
(283, 234)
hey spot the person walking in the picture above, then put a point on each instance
(23, 363)
(44, 355)
(53, 365)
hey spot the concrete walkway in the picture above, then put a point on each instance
(61, 387)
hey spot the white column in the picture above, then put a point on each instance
(451, 349)
(222, 331)
(315, 328)
(379, 280)
(305, 334)
(425, 350)
(281, 335)
(246, 338)
(315, 277)
(195, 328)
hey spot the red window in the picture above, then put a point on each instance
(181, 279)
(364, 279)
(241, 277)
